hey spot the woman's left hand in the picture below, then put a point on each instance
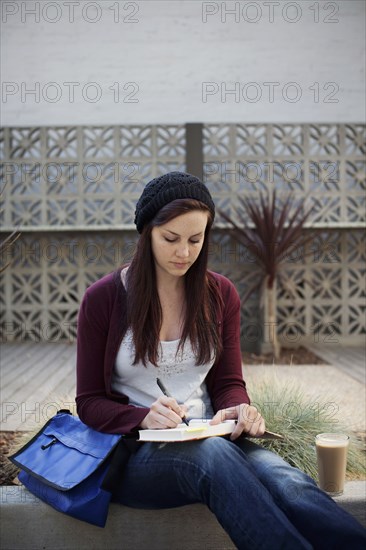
(249, 419)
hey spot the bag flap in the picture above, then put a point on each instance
(73, 433)
(65, 452)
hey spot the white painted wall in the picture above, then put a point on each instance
(169, 52)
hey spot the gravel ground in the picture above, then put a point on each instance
(288, 356)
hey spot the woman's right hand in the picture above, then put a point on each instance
(164, 413)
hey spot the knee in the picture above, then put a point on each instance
(279, 476)
(268, 464)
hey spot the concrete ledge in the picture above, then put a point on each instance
(353, 500)
(27, 523)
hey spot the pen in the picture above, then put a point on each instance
(167, 394)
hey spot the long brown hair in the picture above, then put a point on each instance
(144, 314)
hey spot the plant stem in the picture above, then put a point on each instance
(272, 325)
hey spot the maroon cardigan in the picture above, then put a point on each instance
(102, 322)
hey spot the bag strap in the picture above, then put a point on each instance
(121, 454)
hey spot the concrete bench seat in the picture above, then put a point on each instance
(27, 524)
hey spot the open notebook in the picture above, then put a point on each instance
(197, 429)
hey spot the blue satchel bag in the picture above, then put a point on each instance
(72, 467)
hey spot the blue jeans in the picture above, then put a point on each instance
(261, 501)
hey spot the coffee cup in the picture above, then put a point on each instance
(331, 453)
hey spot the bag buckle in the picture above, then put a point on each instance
(44, 447)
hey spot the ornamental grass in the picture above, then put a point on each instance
(299, 418)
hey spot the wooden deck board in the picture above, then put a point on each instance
(350, 360)
(27, 362)
(15, 353)
(36, 374)
(47, 373)
(35, 390)
(37, 378)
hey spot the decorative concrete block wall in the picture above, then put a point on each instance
(71, 191)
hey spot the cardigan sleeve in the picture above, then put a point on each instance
(225, 381)
(96, 407)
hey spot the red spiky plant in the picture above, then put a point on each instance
(272, 230)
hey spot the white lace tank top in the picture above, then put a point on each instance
(179, 373)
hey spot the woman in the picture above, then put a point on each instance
(166, 316)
